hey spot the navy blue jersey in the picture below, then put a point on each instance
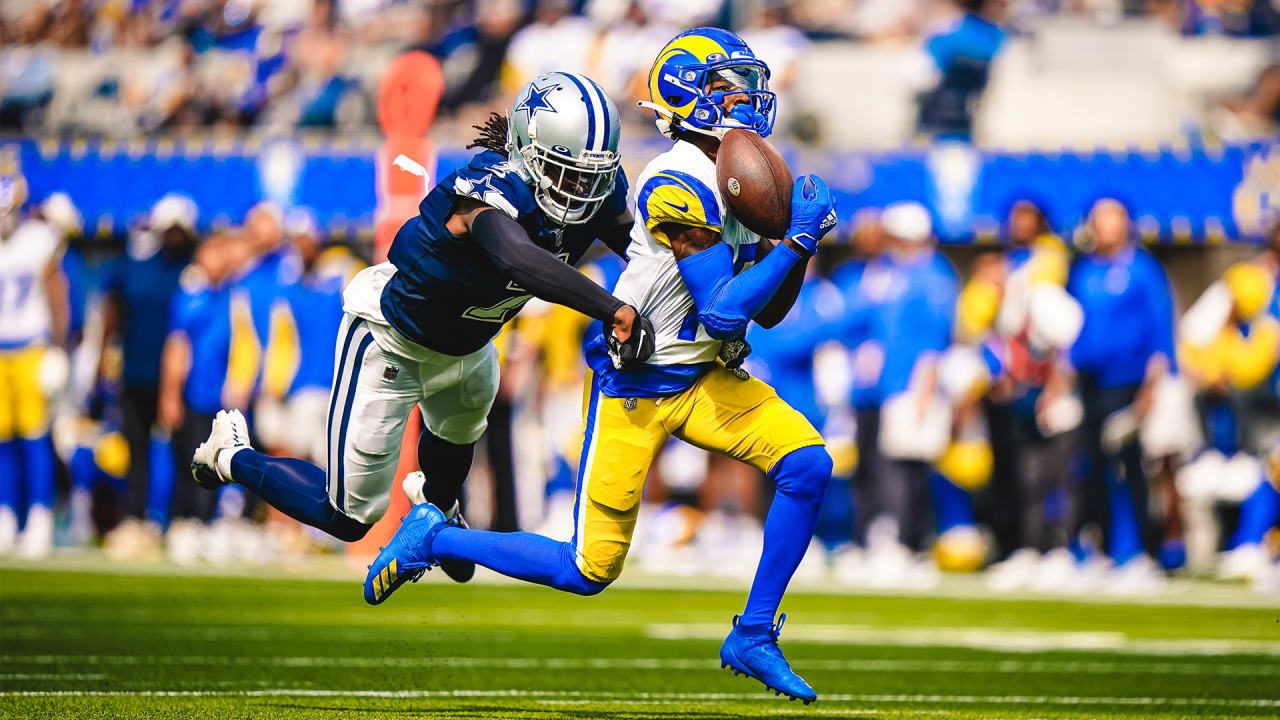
(447, 295)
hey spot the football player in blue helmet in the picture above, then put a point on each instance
(701, 277)
(418, 329)
(707, 81)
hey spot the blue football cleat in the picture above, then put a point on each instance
(407, 556)
(754, 652)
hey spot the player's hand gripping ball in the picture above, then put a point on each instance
(813, 212)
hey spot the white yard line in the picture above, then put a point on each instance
(1191, 668)
(664, 698)
(1019, 640)
(53, 676)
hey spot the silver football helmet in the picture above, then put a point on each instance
(564, 133)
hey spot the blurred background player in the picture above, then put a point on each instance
(134, 288)
(899, 321)
(1124, 348)
(33, 367)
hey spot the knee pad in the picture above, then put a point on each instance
(804, 473)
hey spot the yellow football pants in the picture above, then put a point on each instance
(24, 412)
(743, 419)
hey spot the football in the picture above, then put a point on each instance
(756, 183)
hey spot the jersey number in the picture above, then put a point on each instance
(499, 313)
(22, 285)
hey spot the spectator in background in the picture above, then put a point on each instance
(556, 40)
(1253, 115)
(472, 55)
(1124, 347)
(631, 35)
(952, 71)
(193, 374)
(781, 45)
(1232, 18)
(138, 291)
(899, 319)
(26, 73)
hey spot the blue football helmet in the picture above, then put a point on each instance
(697, 71)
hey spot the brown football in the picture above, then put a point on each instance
(755, 182)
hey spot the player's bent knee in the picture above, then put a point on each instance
(583, 585)
(347, 529)
(804, 473)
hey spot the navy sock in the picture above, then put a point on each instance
(38, 469)
(298, 489)
(445, 465)
(521, 555)
(801, 477)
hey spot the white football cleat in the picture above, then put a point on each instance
(36, 541)
(8, 530)
(413, 485)
(211, 465)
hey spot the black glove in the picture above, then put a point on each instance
(637, 348)
(732, 353)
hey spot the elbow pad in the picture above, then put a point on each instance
(726, 303)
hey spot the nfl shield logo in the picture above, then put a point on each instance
(629, 404)
(390, 372)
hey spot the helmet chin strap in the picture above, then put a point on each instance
(675, 122)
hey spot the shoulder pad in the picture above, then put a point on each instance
(678, 197)
(492, 180)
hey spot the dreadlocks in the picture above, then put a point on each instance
(493, 134)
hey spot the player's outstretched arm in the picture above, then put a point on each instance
(545, 277)
(726, 303)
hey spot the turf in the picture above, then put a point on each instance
(85, 644)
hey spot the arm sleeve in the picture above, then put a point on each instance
(537, 270)
(725, 302)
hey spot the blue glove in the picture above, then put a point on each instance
(813, 212)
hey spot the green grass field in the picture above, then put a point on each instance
(149, 645)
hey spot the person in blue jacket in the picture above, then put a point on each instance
(1126, 343)
(900, 313)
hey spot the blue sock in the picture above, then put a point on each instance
(298, 489)
(521, 555)
(801, 477)
(83, 469)
(38, 469)
(10, 492)
(1125, 540)
(1258, 514)
(162, 476)
(952, 505)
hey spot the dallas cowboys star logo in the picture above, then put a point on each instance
(482, 186)
(536, 100)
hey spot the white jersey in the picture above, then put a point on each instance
(678, 186)
(25, 315)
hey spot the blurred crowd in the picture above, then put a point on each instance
(128, 67)
(1047, 418)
